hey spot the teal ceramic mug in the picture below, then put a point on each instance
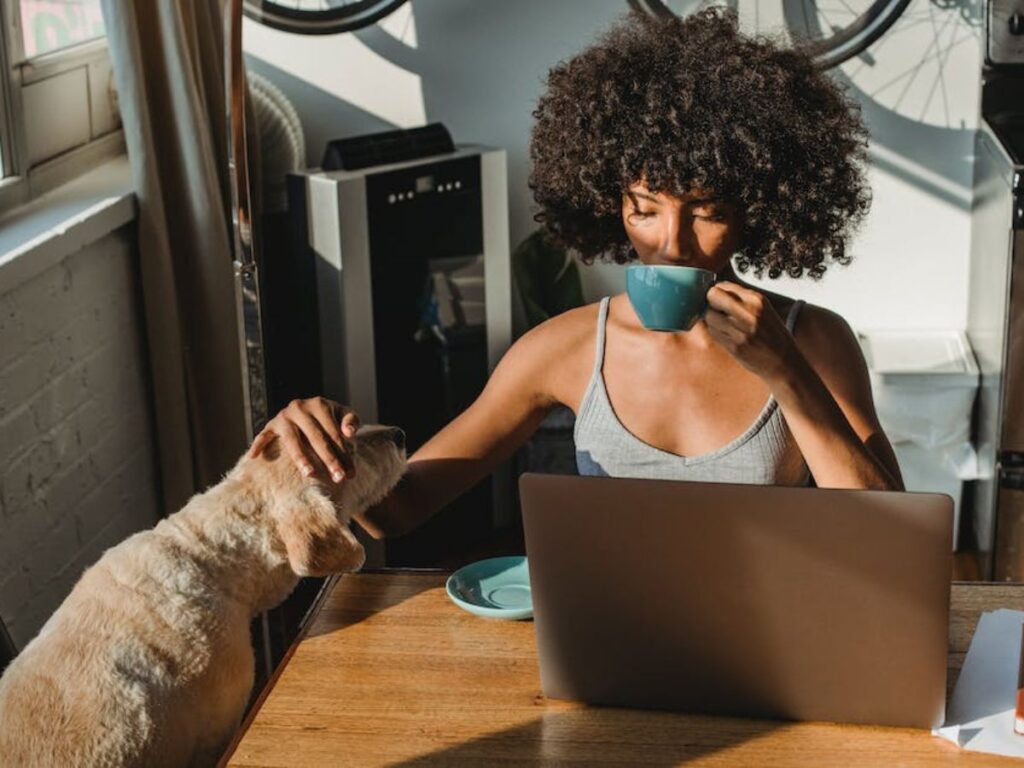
(668, 298)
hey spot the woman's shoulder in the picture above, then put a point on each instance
(826, 339)
(813, 323)
(565, 330)
(822, 335)
(558, 354)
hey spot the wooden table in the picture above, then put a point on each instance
(389, 672)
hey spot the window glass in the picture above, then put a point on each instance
(50, 25)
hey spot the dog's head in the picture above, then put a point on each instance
(314, 522)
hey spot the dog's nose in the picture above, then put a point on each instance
(398, 436)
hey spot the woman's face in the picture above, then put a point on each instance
(695, 230)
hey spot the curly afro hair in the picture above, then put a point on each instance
(692, 103)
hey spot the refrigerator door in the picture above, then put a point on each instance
(1009, 559)
(988, 302)
(1009, 552)
(1013, 381)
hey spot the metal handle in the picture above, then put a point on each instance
(1011, 470)
(247, 286)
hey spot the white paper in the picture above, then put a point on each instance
(980, 712)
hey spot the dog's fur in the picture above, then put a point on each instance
(148, 661)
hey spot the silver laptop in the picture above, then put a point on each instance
(792, 603)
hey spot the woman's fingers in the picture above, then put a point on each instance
(745, 307)
(317, 439)
(260, 442)
(293, 442)
(350, 423)
(315, 423)
(325, 412)
(725, 301)
(722, 327)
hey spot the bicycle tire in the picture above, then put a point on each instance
(827, 51)
(329, 21)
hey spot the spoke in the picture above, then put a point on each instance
(906, 73)
(405, 27)
(940, 80)
(847, 5)
(938, 52)
(914, 69)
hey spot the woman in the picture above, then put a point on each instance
(678, 142)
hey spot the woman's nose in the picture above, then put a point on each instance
(675, 245)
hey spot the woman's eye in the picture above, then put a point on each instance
(641, 214)
(709, 215)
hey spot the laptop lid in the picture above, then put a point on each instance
(792, 603)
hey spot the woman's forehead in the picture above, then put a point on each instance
(693, 194)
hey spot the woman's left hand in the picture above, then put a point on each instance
(747, 325)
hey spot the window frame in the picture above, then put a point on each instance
(24, 179)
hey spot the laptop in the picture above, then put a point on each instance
(743, 600)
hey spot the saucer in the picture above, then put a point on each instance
(497, 588)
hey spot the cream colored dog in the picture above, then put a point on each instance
(148, 661)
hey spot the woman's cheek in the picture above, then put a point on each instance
(715, 238)
(641, 241)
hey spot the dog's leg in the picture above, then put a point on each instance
(225, 693)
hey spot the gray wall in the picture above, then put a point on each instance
(479, 66)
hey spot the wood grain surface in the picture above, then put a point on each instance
(391, 673)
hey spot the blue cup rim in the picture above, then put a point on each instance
(656, 267)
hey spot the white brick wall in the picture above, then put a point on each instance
(76, 442)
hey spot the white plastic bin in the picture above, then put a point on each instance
(924, 384)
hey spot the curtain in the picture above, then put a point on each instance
(169, 63)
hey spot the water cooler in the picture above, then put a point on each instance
(408, 264)
(995, 311)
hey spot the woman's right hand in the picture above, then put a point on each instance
(315, 424)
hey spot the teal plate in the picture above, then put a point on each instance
(498, 588)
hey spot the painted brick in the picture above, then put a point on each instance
(17, 433)
(61, 396)
(71, 487)
(23, 477)
(44, 557)
(30, 524)
(95, 510)
(46, 599)
(76, 442)
(15, 590)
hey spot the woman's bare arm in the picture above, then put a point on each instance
(826, 398)
(545, 367)
(517, 397)
(819, 379)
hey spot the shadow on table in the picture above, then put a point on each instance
(607, 737)
(359, 596)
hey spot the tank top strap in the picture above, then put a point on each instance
(794, 310)
(602, 321)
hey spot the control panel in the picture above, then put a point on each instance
(1004, 23)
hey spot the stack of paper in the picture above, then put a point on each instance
(981, 711)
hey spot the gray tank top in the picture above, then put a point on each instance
(765, 454)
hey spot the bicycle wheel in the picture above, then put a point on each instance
(830, 31)
(318, 17)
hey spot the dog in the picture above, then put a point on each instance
(148, 661)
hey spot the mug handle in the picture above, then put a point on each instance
(714, 279)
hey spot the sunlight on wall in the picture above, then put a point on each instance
(918, 88)
(401, 25)
(343, 67)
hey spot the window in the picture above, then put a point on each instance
(58, 115)
(52, 25)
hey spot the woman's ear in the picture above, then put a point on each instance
(316, 540)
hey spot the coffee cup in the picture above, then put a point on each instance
(666, 297)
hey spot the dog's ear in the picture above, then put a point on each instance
(317, 542)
